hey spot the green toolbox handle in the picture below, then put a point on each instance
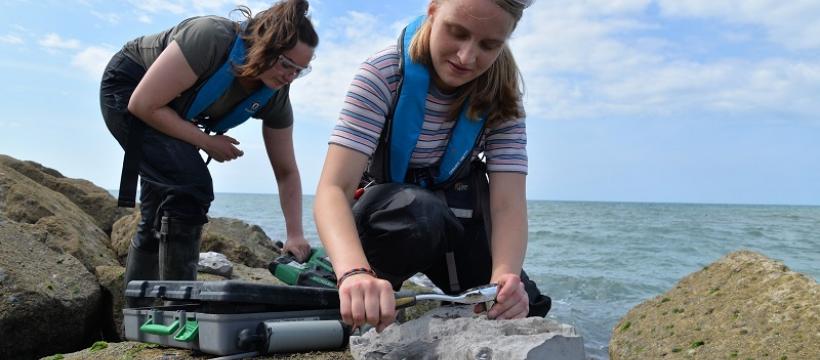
(157, 329)
(189, 332)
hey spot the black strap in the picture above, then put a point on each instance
(131, 164)
(208, 132)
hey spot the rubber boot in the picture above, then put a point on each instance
(178, 249)
(141, 265)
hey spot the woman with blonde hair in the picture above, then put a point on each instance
(416, 119)
(168, 95)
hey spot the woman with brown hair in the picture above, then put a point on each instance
(416, 119)
(207, 73)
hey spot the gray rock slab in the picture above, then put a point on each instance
(457, 333)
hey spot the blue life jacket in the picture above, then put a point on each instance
(217, 85)
(403, 126)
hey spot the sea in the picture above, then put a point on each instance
(597, 260)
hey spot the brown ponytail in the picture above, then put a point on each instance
(272, 32)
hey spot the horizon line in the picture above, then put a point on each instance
(658, 202)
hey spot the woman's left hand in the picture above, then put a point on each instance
(298, 246)
(512, 301)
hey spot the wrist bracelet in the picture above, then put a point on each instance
(352, 272)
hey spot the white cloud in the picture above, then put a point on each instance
(194, 7)
(222, 7)
(111, 17)
(160, 6)
(11, 39)
(54, 41)
(581, 62)
(794, 23)
(255, 6)
(143, 18)
(92, 60)
(357, 35)
(145, 9)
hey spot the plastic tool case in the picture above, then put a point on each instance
(232, 317)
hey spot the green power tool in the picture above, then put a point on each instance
(316, 271)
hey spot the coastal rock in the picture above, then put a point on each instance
(62, 225)
(456, 333)
(48, 300)
(244, 273)
(742, 306)
(240, 242)
(112, 301)
(121, 233)
(91, 199)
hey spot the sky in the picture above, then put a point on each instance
(695, 101)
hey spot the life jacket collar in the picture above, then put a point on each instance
(218, 84)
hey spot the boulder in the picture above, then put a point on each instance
(91, 199)
(240, 242)
(244, 273)
(743, 306)
(122, 232)
(62, 225)
(112, 301)
(456, 333)
(48, 300)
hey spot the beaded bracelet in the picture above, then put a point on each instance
(352, 272)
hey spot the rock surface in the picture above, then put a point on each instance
(240, 242)
(48, 300)
(214, 263)
(121, 233)
(63, 226)
(91, 199)
(141, 351)
(60, 279)
(112, 301)
(743, 306)
(456, 333)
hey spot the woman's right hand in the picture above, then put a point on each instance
(222, 148)
(365, 299)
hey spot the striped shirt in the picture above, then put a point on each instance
(368, 101)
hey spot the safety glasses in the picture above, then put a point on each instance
(291, 67)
